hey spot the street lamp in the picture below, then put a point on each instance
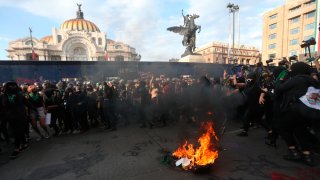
(232, 9)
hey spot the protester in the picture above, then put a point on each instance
(13, 111)
(36, 99)
(295, 122)
(254, 95)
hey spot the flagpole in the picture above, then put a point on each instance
(31, 44)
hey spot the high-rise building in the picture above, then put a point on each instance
(285, 27)
(217, 52)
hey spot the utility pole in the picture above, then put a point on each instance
(232, 10)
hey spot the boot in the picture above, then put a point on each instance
(293, 155)
(270, 140)
(308, 160)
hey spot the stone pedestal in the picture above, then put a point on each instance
(193, 58)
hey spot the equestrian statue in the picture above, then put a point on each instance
(188, 30)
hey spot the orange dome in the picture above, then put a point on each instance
(79, 25)
(47, 39)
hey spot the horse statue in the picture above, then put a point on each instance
(188, 30)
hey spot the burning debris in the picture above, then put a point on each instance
(191, 158)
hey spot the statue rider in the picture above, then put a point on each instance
(79, 6)
(186, 19)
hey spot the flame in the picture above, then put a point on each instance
(206, 154)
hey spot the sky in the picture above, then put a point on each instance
(140, 23)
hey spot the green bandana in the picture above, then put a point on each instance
(34, 97)
(11, 98)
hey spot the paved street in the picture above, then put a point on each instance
(134, 153)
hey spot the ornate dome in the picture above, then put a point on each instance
(47, 39)
(79, 24)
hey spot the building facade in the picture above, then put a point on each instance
(217, 52)
(285, 27)
(76, 40)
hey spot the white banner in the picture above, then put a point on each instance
(312, 98)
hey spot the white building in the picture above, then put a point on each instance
(77, 40)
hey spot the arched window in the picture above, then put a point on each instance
(118, 46)
(93, 40)
(29, 43)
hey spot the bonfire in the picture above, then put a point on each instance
(191, 157)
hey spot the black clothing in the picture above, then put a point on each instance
(92, 102)
(13, 106)
(80, 110)
(294, 88)
(294, 121)
(109, 99)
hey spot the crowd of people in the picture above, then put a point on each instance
(273, 99)
(255, 95)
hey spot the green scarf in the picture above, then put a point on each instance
(282, 75)
(35, 96)
(11, 98)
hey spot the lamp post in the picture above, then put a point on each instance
(232, 9)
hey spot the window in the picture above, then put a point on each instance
(294, 20)
(272, 56)
(311, 14)
(224, 59)
(312, 49)
(93, 40)
(294, 52)
(307, 37)
(273, 26)
(99, 41)
(29, 43)
(271, 46)
(59, 38)
(310, 3)
(272, 36)
(55, 58)
(120, 47)
(293, 42)
(309, 26)
(294, 31)
(295, 8)
(119, 58)
(273, 16)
